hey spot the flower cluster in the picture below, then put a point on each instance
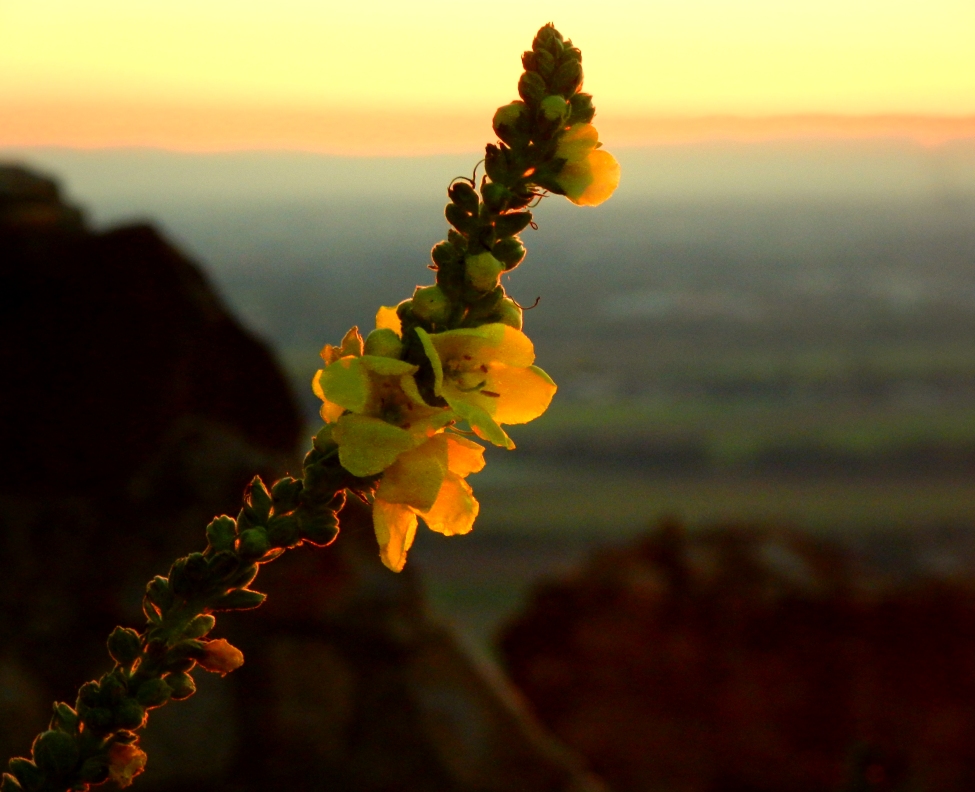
(400, 406)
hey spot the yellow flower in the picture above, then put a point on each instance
(428, 481)
(590, 175)
(373, 406)
(486, 376)
(125, 762)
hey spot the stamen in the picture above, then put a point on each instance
(491, 393)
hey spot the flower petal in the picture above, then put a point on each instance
(481, 422)
(388, 319)
(345, 382)
(577, 142)
(388, 366)
(523, 393)
(455, 509)
(605, 178)
(352, 343)
(434, 357)
(395, 527)
(369, 445)
(464, 456)
(414, 479)
(490, 343)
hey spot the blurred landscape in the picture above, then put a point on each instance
(763, 333)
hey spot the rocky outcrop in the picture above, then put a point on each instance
(741, 658)
(133, 408)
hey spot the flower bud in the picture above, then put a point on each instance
(510, 314)
(153, 693)
(181, 684)
(531, 87)
(125, 762)
(555, 107)
(282, 530)
(568, 77)
(509, 251)
(462, 194)
(253, 543)
(199, 626)
(384, 343)
(507, 116)
(130, 714)
(483, 271)
(124, 645)
(55, 752)
(582, 109)
(431, 304)
(544, 63)
(221, 533)
(221, 657)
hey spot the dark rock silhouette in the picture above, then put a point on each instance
(743, 658)
(133, 408)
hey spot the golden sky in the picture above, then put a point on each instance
(371, 76)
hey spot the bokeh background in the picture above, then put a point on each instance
(771, 324)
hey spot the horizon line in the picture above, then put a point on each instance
(372, 133)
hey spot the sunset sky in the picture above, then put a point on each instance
(387, 76)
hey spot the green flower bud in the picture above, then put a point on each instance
(531, 87)
(496, 196)
(444, 254)
(512, 223)
(130, 714)
(384, 343)
(483, 271)
(582, 109)
(124, 645)
(510, 314)
(544, 63)
(158, 592)
(509, 251)
(196, 568)
(26, 772)
(64, 718)
(462, 194)
(55, 752)
(459, 219)
(153, 693)
(319, 527)
(181, 685)
(259, 498)
(285, 493)
(431, 304)
(221, 533)
(282, 530)
(253, 543)
(568, 77)
(506, 120)
(555, 107)
(9, 784)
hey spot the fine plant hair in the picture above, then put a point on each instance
(546, 145)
